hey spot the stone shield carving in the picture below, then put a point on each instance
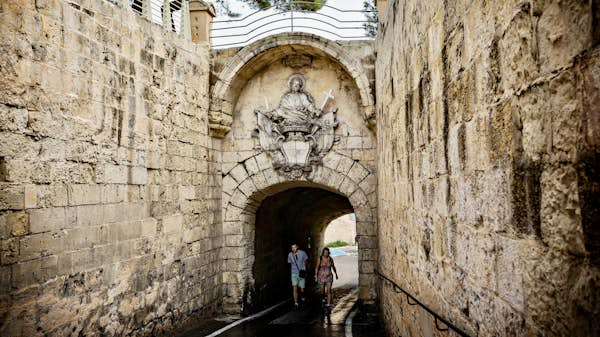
(297, 133)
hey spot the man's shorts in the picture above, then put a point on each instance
(297, 281)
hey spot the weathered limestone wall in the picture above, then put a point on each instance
(488, 120)
(108, 203)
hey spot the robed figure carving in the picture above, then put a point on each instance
(297, 133)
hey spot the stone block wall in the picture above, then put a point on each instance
(109, 202)
(487, 115)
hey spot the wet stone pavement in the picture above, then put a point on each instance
(308, 321)
(366, 323)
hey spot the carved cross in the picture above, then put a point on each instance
(326, 99)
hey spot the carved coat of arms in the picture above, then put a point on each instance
(296, 133)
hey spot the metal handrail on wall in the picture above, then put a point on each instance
(437, 317)
(256, 26)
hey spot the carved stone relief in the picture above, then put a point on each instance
(297, 133)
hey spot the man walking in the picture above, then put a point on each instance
(298, 260)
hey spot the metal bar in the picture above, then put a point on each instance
(282, 28)
(291, 15)
(408, 300)
(325, 5)
(246, 25)
(275, 14)
(249, 39)
(251, 28)
(245, 17)
(279, 20)
(296, 26)
(429, 310)
(137, 6)
(333, 17)
(438, 327)
(267, 8)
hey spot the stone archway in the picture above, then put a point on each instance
(252, 181)
(249, 83)
(237, 69)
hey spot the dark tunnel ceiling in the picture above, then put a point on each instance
(308, 207)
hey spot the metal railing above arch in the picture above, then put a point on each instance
(329, 22)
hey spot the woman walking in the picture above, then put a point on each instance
(323, 274)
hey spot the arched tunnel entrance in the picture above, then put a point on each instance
(297, 215)
(264, 209)
(264, 214)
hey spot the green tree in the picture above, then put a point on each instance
(285, 5)
(372, 18)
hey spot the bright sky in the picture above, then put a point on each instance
(245, 30)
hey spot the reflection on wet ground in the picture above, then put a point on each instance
(311, 320)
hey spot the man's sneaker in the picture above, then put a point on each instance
(296, 306)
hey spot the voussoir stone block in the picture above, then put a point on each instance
(238, 173)
(251, 166)
(247, 187)
(348, 186)
(358, 173)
